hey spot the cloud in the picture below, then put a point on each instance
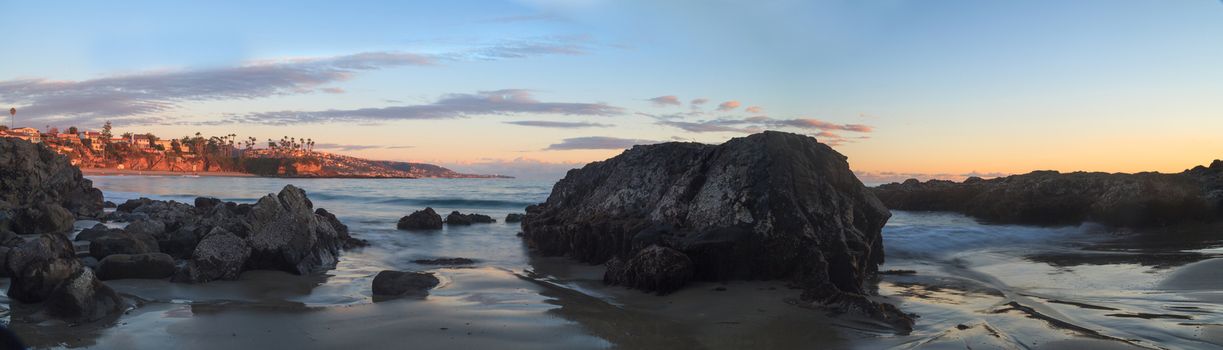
(524, 18)
(135, 97)
(350, 148)
(809, 123)
(562, 125)
(663, 101)
(822, 130)
(728, 106)
(522, 168)
(699, 101)
(754, 109)
(709, 126)
(333, 90)
(451, 106)
(597, 142)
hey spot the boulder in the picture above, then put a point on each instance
(109, 204)
(421, 220)
(219, 256)
(206, 203)
(34, 175)
(147, 266)
(771, 205)
(287, 235)
(42, 217)
(151, 228)
(39, 265)
(653, 269)
(456, 218)
(180, 243)
(513, 217)
(341, 229)
(122, 242)
(399, 283)
(92, 233)
(81, 297)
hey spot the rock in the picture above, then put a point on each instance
(98, 230)
(82, 298)
(131, 204)
(771, 205)
(1053, 198)
(421, 220)
(341, 229)
(653, 269)
(109, 204)
(398, 283)
(122, 242)
(37, 266)
(456, 218)
(4, 252)
(90, 262)
(34, 175)
(287, 235)
(180, 243)
(151, 228)
(513, 217)
(445, 261)
(219, 256)
(148, 266)
(42, 217)
(206, 203)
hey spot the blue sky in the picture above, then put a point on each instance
(904, 88)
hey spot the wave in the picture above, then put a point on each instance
(938, 235)
(457, 202)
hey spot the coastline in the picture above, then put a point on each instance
(126, 172)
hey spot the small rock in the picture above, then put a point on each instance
(456, 218)
(148, 266)
(513, 217)
(397, 283)
(653, 269)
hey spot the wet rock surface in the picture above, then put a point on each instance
(768, 206)
(401, 283)
(40, 190)
(149, 266)
(1053, 198)
(45, 270)
(513, 217)
(426, 219)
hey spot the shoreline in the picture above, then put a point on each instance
(126, 172)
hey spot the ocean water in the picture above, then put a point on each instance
(1002, 286)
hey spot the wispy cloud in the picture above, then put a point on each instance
(561, 125)
(451, 106)
(699, 101)
(754, 109)
(825, 131)
(137, 96)
(524, 18)
(597, 142)
(663, 101)
(728, 106)
(350, 147)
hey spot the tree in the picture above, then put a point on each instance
(53, 131)
(106, 135)
(73, 130)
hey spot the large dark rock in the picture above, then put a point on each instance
(768, 206)
(39, 265)
(421, 220)
(341, 229)
(180, 243)
(399, 283)
(148, 266)
(151, 228)
(34, 175)
(457, 218)
(219, 256)
(653, 269)
(82, 298)
(1053, 198)
(92, 233)
(122, 242)
(42, 217)
(287, 235)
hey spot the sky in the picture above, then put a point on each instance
(919, 88)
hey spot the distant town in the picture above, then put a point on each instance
(286, 157)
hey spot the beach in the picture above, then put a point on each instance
(125, 172)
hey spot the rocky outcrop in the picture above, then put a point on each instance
(400, 283)
(122, 242)
(341, 229)
(82, 297)
(457, 218)
(1053, 198)
(421, 220)
(36, 178)
(147, 266)
(281, 231)
(768, 206)
(40, 190)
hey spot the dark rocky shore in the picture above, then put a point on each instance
(1053, 198)
(768, 206)
(42, 195)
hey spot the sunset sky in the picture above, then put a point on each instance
(903, 88)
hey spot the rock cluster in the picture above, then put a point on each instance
(40, 190)
(768, 206)
(1053, 198)
(46, 270)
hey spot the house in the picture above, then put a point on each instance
(26, 131)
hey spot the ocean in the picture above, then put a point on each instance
(970, 283)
